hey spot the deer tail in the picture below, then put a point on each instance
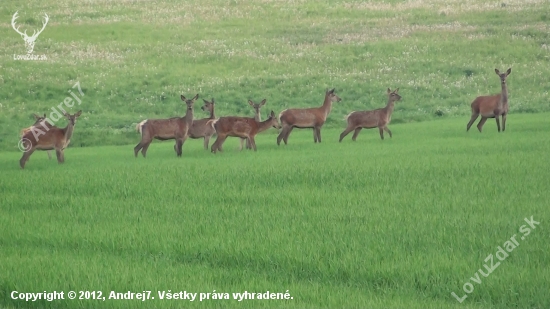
(24, 131)
(212, 123)
(280, 115)
(139, 126)
(346, 117)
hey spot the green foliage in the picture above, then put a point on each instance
(399, 223)
(134, 59)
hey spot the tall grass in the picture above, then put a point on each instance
(399, 223)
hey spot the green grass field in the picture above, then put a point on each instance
(399, 223)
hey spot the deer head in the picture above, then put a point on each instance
(274, 121)
(29, 40)
(258, 106)
(72, 118)
(503, 75)
(189, 102)
(333, 97)
(393, 96)
(208, 106)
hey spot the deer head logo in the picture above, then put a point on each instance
(29, 40)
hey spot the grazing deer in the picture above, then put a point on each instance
(41, 123)
(201, 127)
(306, 118)
(165, 129)
(378, 118)
(492, 106)
(54, 138)
(242, 127)
(257, 117)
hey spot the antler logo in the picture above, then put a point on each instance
(29, 40)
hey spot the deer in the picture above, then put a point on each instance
(29, 40)
(306, 118)
(53, 138)
(42, 124)
(378, 118)
(493, 106)
(242, 127)
(201, 128)
(165, 129)
(257, 117)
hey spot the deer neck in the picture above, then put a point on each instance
(68, 131)
(257, 117)
(188, 116)
(504, 94)
(389, 107)
(212, 113)
(327, 106)
(264, 125)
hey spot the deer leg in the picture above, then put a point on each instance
(281, 135)
(49, 154)
(285, 139)
(25, 157)
(314, 135)
(503, 122)
(252, 142)
(356, 133)
(242, 141)
(481, 123)
(206, 141)
(381, 132)
(319, 134)
(498, 123)
(59, 154)
(248, 145)
(472, 119)
(144, 148)
(387, 130)
(179, 145)
(345, 133)
(137, 149)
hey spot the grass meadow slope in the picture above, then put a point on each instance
(399, 223)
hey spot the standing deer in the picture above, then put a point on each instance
(257, 117)
(242, 127)
(201, 127)
(306, 118)
(42, 124)
(492, 106)
(378, 118)
(165, 129)
(54, 138)
(29, 40)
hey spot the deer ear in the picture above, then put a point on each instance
(183, 98)
(78, 113)
(44, 115)
(273, 114)
(396, 90)
(332, 91)
(263, 102)
(212, 100)
(509, 71)
(196, 97)
(250, 103)
(497, 71)
(389, 90)
(36, 116)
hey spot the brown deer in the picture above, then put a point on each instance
(306, 118)
(165, 129)
(378, 118)
(201, 128)
(492, 106)
(257, 117)
(54, 138)
(242, 127)
(42, 124)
